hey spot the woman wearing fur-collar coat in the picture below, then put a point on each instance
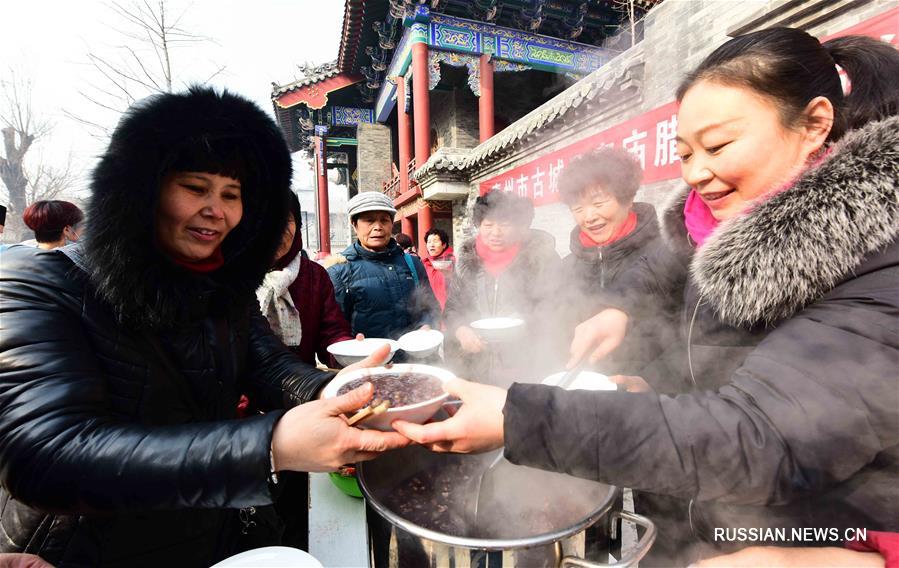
(791, 314)
(122, 360)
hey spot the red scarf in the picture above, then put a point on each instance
(205, 266)
(624, 230)
(495, 262)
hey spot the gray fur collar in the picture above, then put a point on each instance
(790, 250)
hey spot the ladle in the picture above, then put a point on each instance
(564, 382)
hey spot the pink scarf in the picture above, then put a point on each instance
(699, 219)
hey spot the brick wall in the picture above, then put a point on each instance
(374, 156)
(454, 116)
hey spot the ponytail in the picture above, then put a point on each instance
(873, 69)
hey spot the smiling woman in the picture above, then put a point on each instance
(123, 357)
(789, 338)
(196, 212)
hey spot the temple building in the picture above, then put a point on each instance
(417, 78)
(438, 102)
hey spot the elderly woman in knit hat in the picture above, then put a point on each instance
(383, 291)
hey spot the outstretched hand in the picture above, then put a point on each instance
(598, 336)
(476, 427)
(315, 436)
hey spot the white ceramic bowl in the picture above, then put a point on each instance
(585, 380)
(418, 413)
(499, 329)
(421, 343)
(270, 557)
(442, 264)
(352, 350)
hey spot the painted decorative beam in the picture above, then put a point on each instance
(512, 50)
(540, 52)
(333, 141)
(349, 116)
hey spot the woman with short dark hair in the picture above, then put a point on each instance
(123, 357)
(54, 222)
(506, 270)
(439, 262)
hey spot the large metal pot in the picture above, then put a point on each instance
(421, 514)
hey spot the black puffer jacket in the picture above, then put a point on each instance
(526, 289)
(594, 277)
(798, 325)
(120, 372)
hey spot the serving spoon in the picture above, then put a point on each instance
(564, 382)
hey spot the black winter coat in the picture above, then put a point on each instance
(120, 371)
(796, 419)
(526, 289)
(594, 277)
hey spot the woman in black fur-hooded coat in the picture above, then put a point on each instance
(121, 365)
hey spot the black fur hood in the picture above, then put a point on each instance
(127, 271)
(790, 250)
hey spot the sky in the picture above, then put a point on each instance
(258, 42)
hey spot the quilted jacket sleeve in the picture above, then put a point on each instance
(811, 406)
(62, 449)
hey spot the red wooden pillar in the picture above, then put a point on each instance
(406, 226)
(425, 224)
(405, 138)
(324, 214)
(421, 102)
(486, 127)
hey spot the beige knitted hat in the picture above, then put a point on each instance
(369, 201)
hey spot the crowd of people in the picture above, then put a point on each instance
(162, 357)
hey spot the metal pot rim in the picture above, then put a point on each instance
(486, 543)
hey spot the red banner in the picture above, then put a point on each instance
(650, 138)
(884, 27)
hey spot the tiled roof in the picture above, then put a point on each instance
(313, 75)
(546, 116)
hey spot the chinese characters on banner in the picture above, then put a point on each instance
(650, 138)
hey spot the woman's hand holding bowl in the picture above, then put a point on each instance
(315, 436)
(469, 339)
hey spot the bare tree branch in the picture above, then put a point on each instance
(144, 62)
(25, 176)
